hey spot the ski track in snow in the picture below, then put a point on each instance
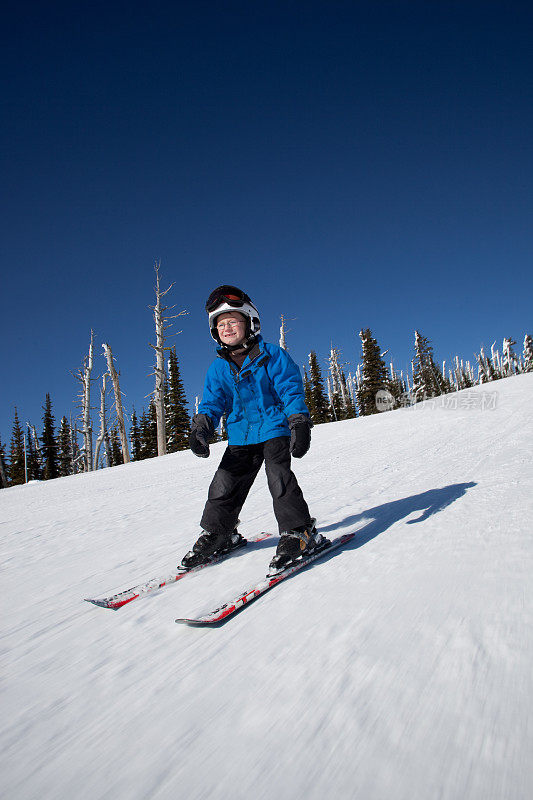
(398, 667)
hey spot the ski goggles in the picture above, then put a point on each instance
(226, 294)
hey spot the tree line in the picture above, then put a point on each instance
(164, 427)
(376, 387)
(57, 451)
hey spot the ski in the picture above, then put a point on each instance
(227, 609)
(120, 599)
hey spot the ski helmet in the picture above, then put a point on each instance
(228, 299)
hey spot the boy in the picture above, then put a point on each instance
(259, 388)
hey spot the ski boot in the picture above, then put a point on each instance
(295, 544)
(210, 545)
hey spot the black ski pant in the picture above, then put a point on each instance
(234, 478)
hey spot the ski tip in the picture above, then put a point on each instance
(114, 606)
(99, 603)
(347, 537)
(212, 618)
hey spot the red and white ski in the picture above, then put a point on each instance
(120, 599)
(227, 609)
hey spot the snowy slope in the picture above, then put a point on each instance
(399, 668)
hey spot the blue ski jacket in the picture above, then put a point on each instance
(257, 399)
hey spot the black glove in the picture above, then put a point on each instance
(202, 429)
(300, 426)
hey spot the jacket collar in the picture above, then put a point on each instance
(256, 350)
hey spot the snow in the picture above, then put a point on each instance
(400, 667)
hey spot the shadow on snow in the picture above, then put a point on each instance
(383, 517)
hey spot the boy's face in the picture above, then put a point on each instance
(231, 328)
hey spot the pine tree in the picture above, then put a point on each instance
(33, 461)
(148, 433)
(65, 448)
(36, 448)
(374, 374)
(3, 468)
(152, 428)
(135, 438)
(427, 380)
(17, 472)
(144, 436)
(318, 406)
(49, 444)
(178, 423)
(397, 387)
(77, 457)
(115, 448)
(307, 389)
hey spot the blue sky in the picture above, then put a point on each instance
(348, 164)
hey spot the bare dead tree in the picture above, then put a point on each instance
(84, 377)
(36, 444)
(338, 385)
(162, 323)
(102, 436)
(118, 404)
(283, 331)
(75, 455)
(282, 342)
